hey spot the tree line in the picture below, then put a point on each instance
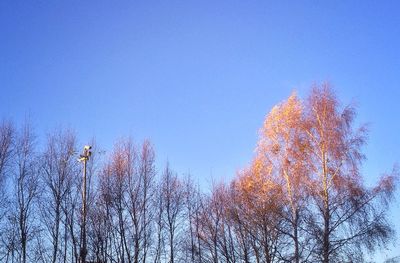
(302, 198)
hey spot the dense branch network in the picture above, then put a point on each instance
(302, 198)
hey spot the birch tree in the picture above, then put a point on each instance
(348, 216)
(25, 181)
(58, 169)
(7, 136)
(283, 147)
(173, 195)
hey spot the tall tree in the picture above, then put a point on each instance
(173, 194)
(349, 217)
(283, 147)
(193, 204)
(58, 169)
(7, 136)
(146, 175)
(25, 173)
(118, 169)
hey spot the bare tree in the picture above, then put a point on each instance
(215, 226)
(173, 196)
(349, 217)
(26, 190)
(71, 208)
(146, 175)
(7, 133)
(117, 170)
(283, 148)
(59, 167)
(104, 234)
(257, 210)
(193, 204)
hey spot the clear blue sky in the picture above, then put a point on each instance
(198, 77)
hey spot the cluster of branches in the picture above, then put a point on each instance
(301, 200)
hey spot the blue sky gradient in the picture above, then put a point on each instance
(195, 77)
